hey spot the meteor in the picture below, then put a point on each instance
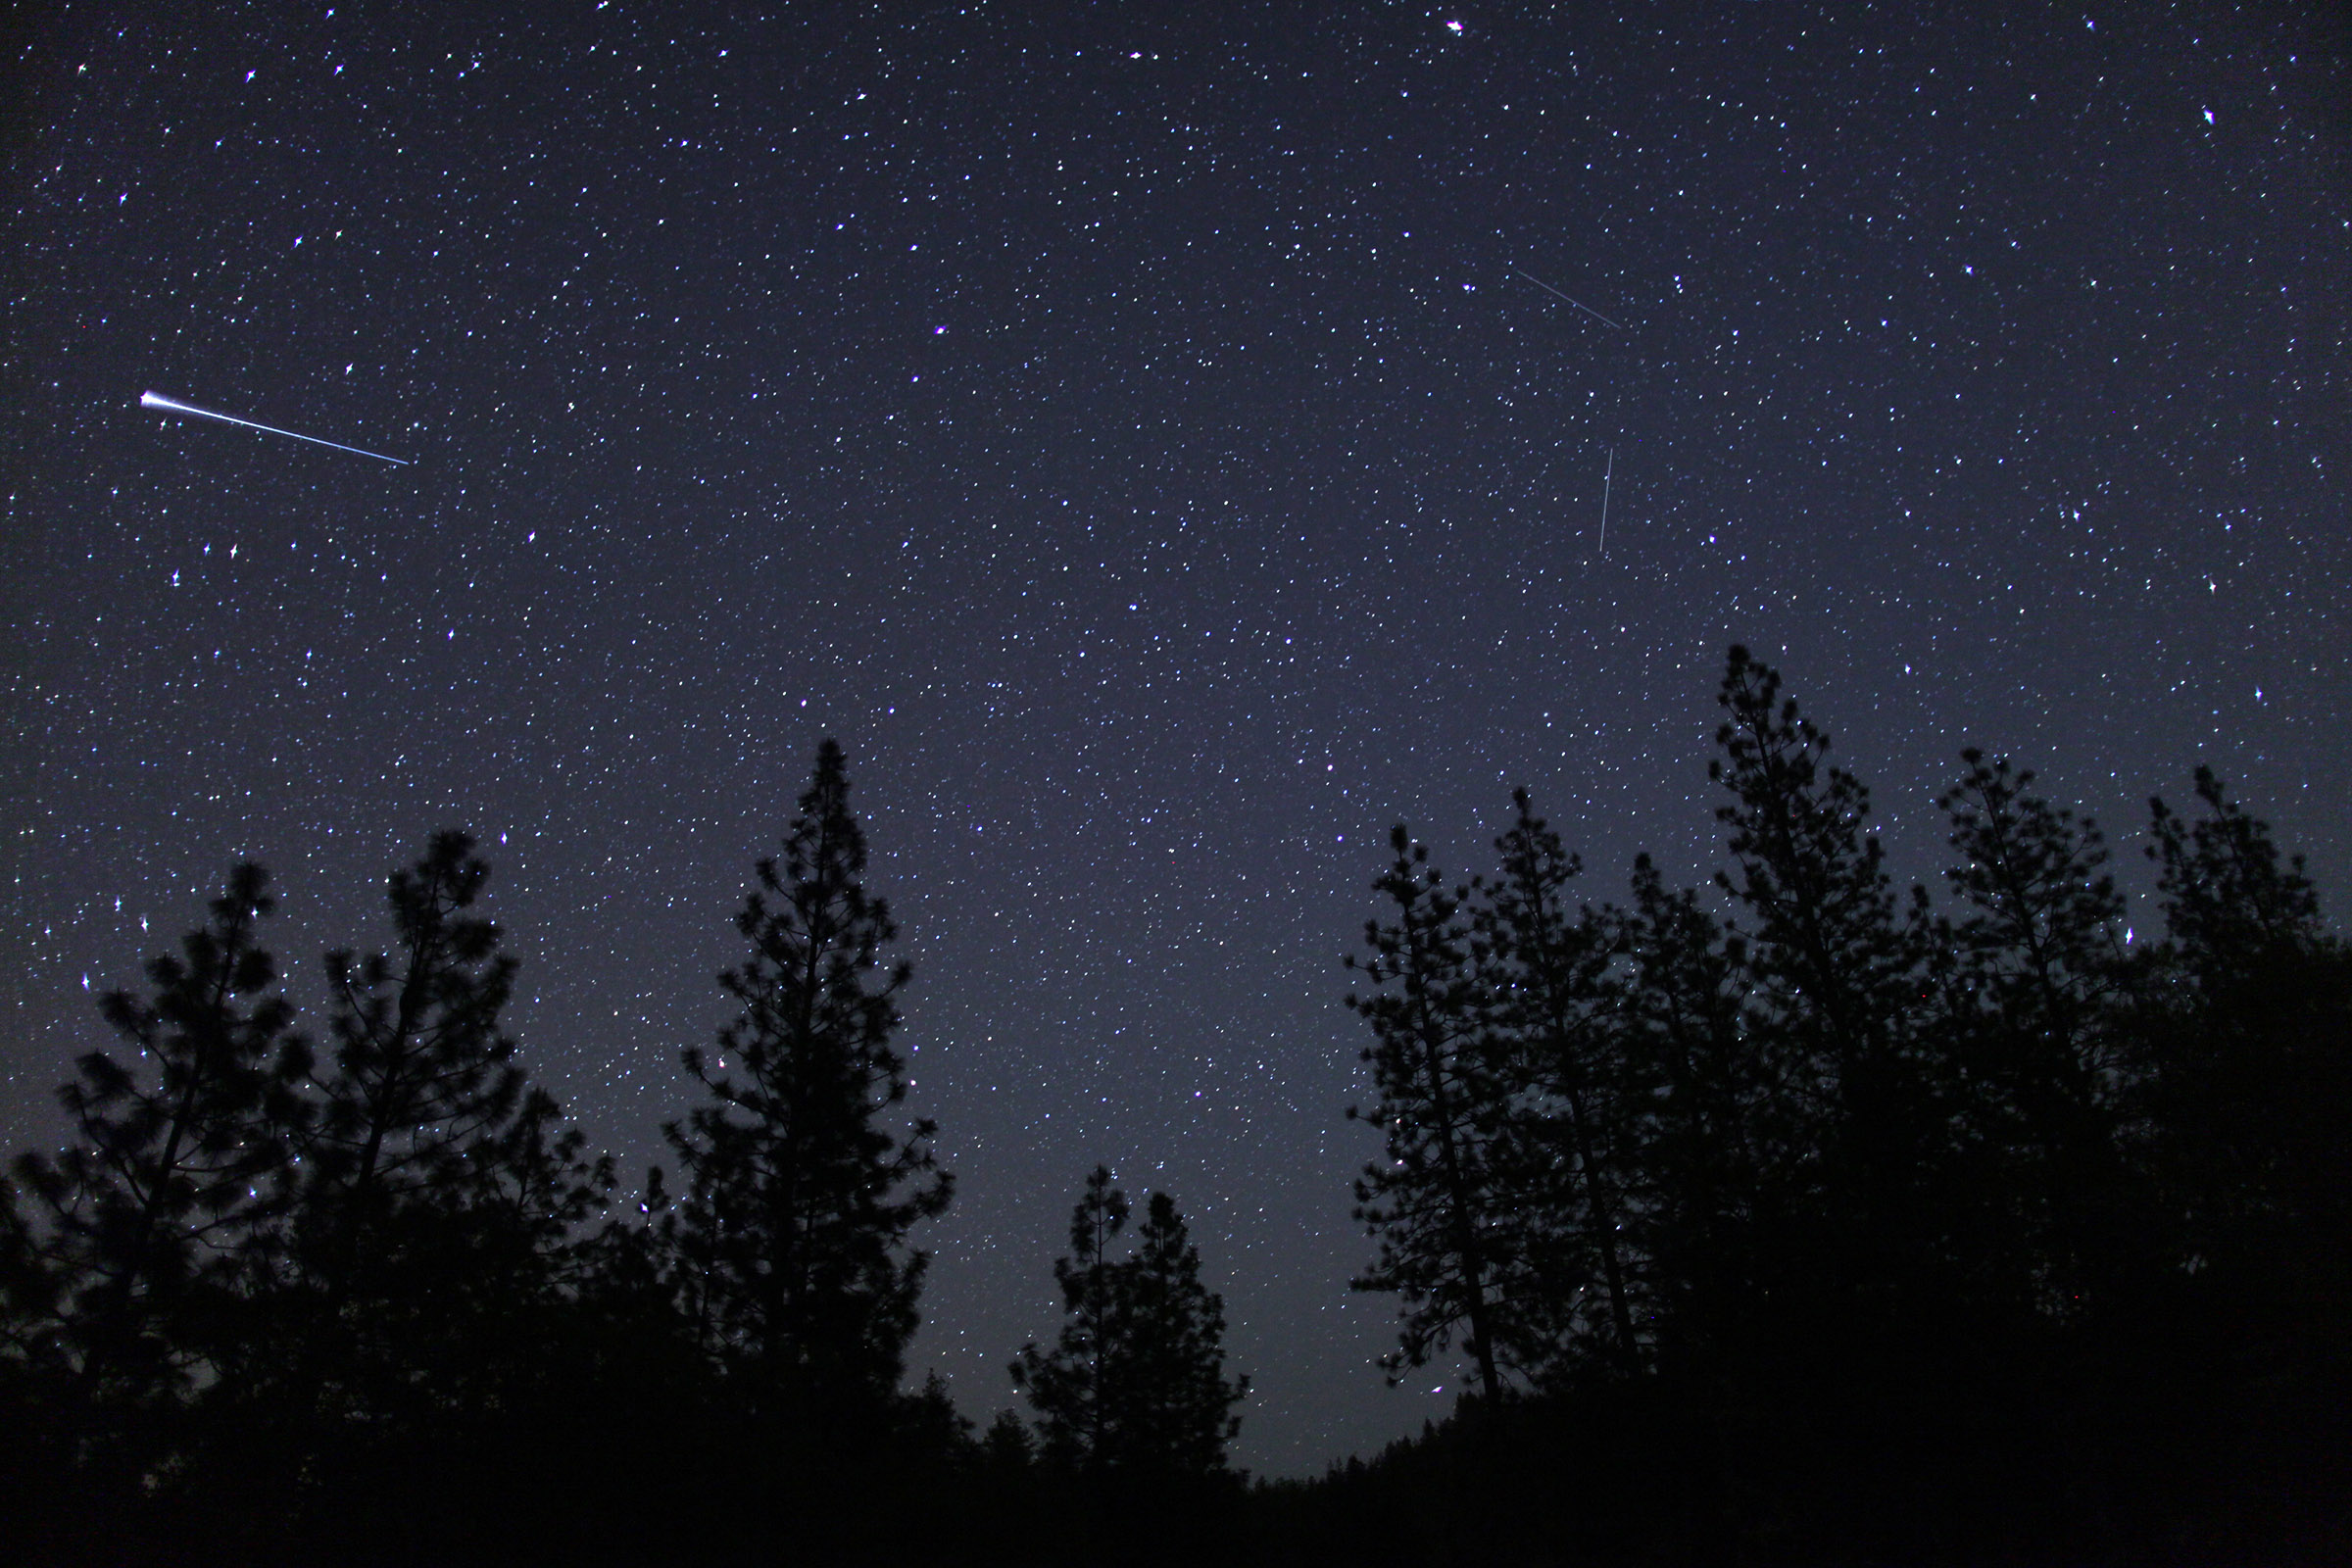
(156, 400)
(1579, 304)
(1606, 475)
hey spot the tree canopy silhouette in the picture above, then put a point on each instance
(799, 1201)
(1443, 1204)
(1135, 1383)
(1779, 1219)
(143, 1215)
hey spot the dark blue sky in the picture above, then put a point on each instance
(1129, 431)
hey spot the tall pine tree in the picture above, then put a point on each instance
(799, 1201)
(1700, 1196)
(387, 1253)
(2037, 958)
(1573, 1126)
(1182, 1402)
(1135, 1384)
(143, 1215)
(2246, 1059)
(1837, 978)
(1456, 1243)
(1071, 1385)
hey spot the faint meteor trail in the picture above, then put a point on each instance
(1579, 304)
(1605, 476)
(156, 400)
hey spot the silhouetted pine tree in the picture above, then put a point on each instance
(2229, 901)
(1135, 1383)
(2246, 1054)
(1457, 1242)
(1068, 1386)
(33, 1462)
(1838, 985)
(2036, 966)
(132, 1261)
(793, 1235)
(516, 1228)
(1699, 1175)
(122, 1286)
(422, 1071)
(630, 1291)
(1180, 1399)
(388, 1264)
(29, 1290)
(1573, 1126)
(1006, 1447)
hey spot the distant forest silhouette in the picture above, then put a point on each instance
(1806, 1220)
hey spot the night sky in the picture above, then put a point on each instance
(1137, 433)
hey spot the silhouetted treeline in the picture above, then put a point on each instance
(1799, 1219)
(363, 1297)
(1886, 1226)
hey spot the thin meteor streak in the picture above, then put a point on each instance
(1605, 475)
(1579, 304)
(156, 400)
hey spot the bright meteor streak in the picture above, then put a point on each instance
(156, 400)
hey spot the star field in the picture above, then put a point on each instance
(1139, 435)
